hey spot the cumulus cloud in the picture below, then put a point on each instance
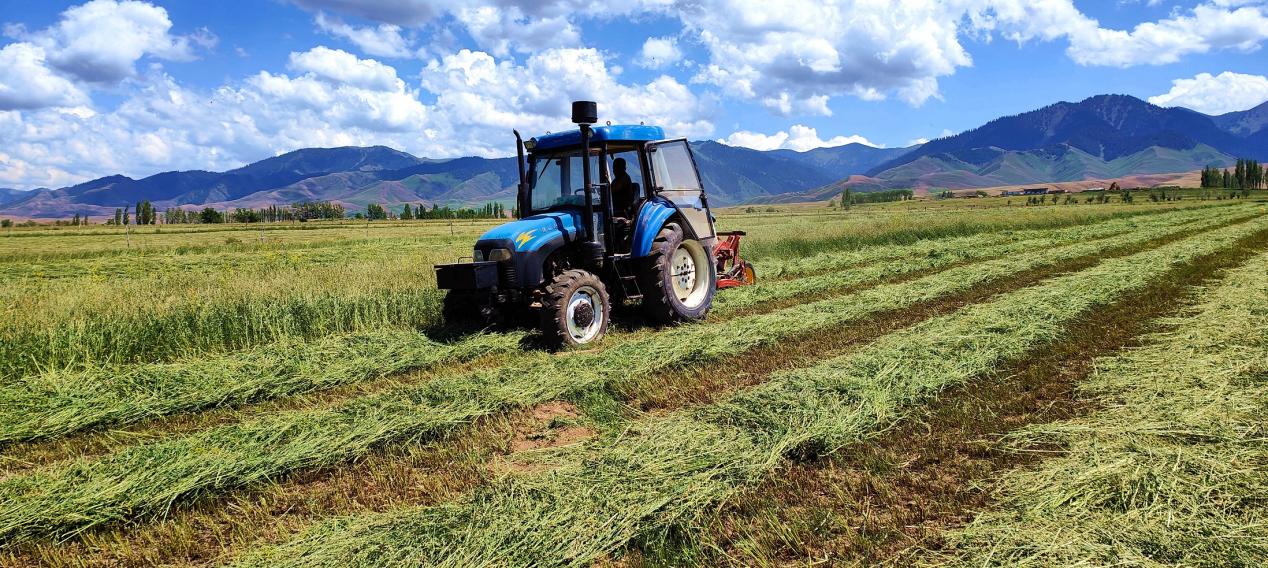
(1216, 94)
(1209, 27)
(342, 67)
(478, 92)
(798, 137)
(26, 82)
(794, 56)
(101, 41)
(384, 40)
(333, 98)
(659, 52)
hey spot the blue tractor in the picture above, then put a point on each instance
(605, 214)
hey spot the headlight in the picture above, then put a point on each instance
(499, 255)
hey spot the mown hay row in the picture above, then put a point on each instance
(1169, 471)
(901, 262)
(654, 480)
(56, 403)
(57, 323)
(146, 480)
(782, 267)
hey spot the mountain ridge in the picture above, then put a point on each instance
(1101, 137)
(357, 176)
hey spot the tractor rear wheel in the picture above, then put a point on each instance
(679, 278)
(575, 309)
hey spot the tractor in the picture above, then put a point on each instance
(605, 214)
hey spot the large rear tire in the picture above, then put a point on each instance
(575, 310)
(678, 279)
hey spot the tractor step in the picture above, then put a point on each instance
(629, 282)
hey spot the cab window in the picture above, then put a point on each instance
(671, 164)
(557, 180)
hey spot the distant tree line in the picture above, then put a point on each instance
(1247, 174)
(145, 214)
(300, 211)
(491, 210)
(849, 197)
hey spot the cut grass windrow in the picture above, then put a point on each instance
(58, 322)
(894, 263)
(146, 480)
(652, 481)
(1168, 472)
(56, 403)
(775, 268)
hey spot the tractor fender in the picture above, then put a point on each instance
(531, 241)
(652, 216)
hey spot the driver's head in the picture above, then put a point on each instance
(618, 165)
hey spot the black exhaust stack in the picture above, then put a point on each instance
(585, 113)
(521, 195)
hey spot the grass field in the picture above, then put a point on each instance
(288, 395)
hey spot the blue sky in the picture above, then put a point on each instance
(102, 87)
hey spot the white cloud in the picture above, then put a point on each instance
(332, 98)
(1216, 94)
(790, 56)
(101, 41)
(26, 82)
(798, 137)
(342, 67)
(659, 52)
(500, 29)
(1208, 28)
(384, 40)
(477, 92)
(793, 56)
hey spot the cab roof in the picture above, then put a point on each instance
(614, 133)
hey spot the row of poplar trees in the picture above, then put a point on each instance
(145, 214)
(1247, 174)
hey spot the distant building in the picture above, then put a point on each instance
(1034, 191)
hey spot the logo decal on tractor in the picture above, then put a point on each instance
(523, 238)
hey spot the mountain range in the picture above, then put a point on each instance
(1102, 137)
(358, 176)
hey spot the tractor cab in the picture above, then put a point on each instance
(607, 213)
(623, 160)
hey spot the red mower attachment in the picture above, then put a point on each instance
(732, 270)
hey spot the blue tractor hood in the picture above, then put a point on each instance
(532, 234)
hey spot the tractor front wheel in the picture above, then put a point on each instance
(678, 279)
(575, 309)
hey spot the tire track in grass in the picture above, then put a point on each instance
(904, 488)
(55, 404)
(384, 465)
(664, 471)
(146, 481)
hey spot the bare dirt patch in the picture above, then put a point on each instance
(549, 425)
